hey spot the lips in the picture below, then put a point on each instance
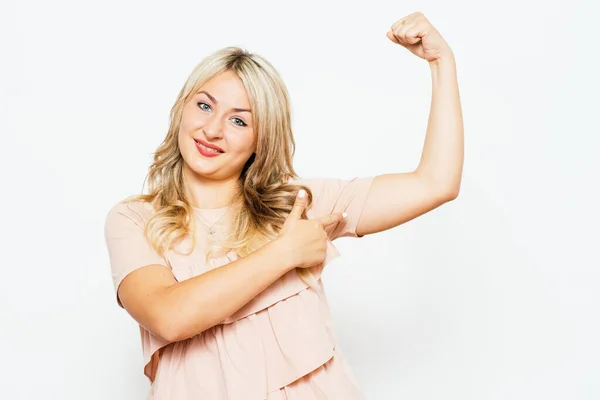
(210, 146)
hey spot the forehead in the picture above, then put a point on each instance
(227, 88)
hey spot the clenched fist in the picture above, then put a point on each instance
(417, 34)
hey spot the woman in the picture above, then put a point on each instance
(220, 262)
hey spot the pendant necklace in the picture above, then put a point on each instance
(210, 228)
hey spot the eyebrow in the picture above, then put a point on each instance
(216, 102)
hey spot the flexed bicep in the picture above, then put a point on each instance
(398, 198)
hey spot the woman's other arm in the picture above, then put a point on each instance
(400, 197)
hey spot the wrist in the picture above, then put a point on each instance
(279, 252)
(445, 58)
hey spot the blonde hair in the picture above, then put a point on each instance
(265, 197)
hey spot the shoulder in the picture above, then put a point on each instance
(335, 194)
(315, 184)
(323, 190)
(127, 212)
(328, 186)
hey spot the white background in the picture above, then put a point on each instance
(492, 296)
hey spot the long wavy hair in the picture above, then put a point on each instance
(265, 197)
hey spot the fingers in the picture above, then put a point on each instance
(392, 37)
(331, 219)
(408, 31)
(299, 205)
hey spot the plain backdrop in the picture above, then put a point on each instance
(492, 296)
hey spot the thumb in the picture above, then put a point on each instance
(299, 205)
(332, 219)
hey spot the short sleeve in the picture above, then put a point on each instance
(128, 248)
(331, 195)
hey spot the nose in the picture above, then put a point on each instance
(213, 129)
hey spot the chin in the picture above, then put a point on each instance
(200, 168)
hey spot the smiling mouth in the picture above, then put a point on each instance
(208, 149)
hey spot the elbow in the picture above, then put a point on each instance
(173, 329)
(444, 188)
(450, 188)
(169, 335)
(452, 193)
(176, 321)
(168, 325)
(167, 330)
(449, 192)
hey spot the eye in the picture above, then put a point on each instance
(200, 104)
(242, 123)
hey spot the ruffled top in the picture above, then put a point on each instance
(282, 335)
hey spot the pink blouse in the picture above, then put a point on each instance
(280, 345)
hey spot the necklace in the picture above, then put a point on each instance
(210, 228)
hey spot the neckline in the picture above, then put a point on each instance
(201, 209)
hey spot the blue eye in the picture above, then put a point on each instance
(242, 122)
(200, 105)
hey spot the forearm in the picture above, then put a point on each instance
(443, 151)
(196, 304)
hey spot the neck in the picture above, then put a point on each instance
(204, 192)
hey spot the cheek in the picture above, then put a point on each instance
(244, 144)
(185, 141)
(187, 124)
(191, 120)
(184, 146)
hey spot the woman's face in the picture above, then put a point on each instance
(217, 117)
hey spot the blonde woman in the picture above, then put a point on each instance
(220, 262)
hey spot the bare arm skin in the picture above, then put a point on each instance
(400, 197)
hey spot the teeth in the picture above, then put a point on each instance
(208, 148)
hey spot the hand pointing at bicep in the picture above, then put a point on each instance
(305, 241)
